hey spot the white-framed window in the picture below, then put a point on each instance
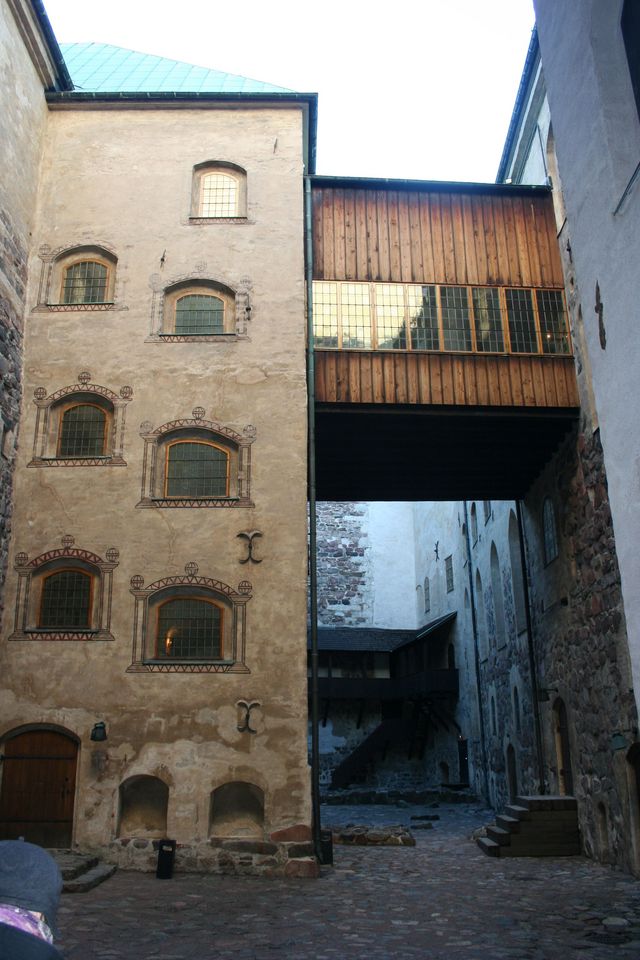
(219, 191)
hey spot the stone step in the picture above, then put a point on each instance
(72, 865)
(499, 835)
(541, 850)
(490, 847)
(512, 824)
(517, 812)
(546, 802)
(87, 881)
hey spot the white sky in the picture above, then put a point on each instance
(421, 89)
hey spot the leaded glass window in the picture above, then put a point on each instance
(455, 318)
(356, 315)
(66, 600)
(189, 629)
(82, 431)
(85, 282)
(197, 470)
(488, 320)
(198, 313)
(553, 326)
(423, 322)
(325, 314)
(219, 195)
(448, 567)
(390, 316)
(522, 324)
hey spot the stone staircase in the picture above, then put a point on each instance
(81, 872)
(539, 826)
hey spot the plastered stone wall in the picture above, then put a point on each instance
(122, 179)
(23, 118)
(597, 136)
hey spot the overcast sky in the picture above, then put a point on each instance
(421, 89)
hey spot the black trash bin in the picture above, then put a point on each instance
(326, 847)
(166, 858)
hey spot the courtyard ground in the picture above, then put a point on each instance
(441, 899)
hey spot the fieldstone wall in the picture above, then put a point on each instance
(581, 643)
(345, 597)
(11, 372)
(285, 853)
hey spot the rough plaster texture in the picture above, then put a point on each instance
(122, 179)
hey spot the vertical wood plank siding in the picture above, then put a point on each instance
(406, 236)
(441, 379)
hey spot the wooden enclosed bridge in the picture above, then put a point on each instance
(443, 358)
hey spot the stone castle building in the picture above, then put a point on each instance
(160, 229)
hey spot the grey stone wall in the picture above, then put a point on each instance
(11, 372)
(344, 582)
(581, 642)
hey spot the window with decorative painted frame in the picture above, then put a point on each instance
(82, 277)
(193, 462)
(81, 424)
(189, 623)
(219, 191)
(64, 594)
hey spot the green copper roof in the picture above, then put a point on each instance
(103, 68)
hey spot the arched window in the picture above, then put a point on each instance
(80, 425)
(64, 594)
(189, 624)
(198, 309)
(66, 601)
(481, 618)
(486, 506)
(498, 598)
(516, 573)
(516, 708)
(219, 191)
(83, 431)
(474, 523)
(218, 195)
(198, 313)
(549, 530)
(79, 278)
(85, 282)
(196, 463)
(196, 469)
(189, 628)
(427, 595)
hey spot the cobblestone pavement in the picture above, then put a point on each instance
(440, 899)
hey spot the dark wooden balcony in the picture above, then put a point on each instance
(443, 356)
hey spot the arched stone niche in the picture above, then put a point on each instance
(143, 807)
(237, 810)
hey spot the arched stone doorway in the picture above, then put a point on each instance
(38, 787)
(563, 747)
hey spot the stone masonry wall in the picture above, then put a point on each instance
(345, 596)
(581, 642)
(23, 117)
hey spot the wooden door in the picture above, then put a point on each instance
(563, 748)
(38, 788)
